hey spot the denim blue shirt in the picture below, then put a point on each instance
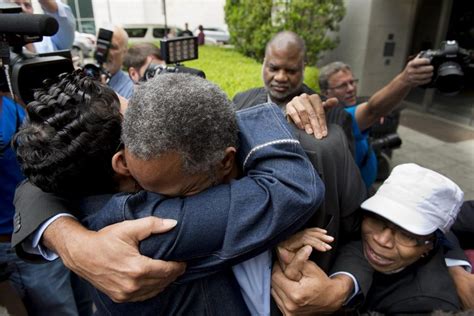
(230, 223)
(121, 83)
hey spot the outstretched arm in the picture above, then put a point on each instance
(417, 72)
(64, 38)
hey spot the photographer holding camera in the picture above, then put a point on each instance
(119, 81)
(337, 80)
(138, 59)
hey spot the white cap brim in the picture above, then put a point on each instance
(399, 214)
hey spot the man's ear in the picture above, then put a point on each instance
(119, 163)
(228, 162)
(133, 74)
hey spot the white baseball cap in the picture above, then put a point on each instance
(417, 199)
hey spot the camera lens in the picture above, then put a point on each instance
(450, 79)
(92, 71)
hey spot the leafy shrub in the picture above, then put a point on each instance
(253, 23)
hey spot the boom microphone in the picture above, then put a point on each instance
(28, 24)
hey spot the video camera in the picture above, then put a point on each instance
(174, 51)
(24, 72)
(104, 41)
(448, 62)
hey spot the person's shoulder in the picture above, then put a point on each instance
(333, 143)
(249, 98)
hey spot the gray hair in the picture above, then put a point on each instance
(327, 71)
(181, 113)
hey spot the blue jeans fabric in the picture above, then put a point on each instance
(229, 223)
(46, 289)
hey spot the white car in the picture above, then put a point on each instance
(149, 32)
(214, 35)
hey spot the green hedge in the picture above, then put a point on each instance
(253, 23)
(234, 72)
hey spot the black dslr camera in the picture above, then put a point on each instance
(104, 41)
(448, 62)
(174, 51)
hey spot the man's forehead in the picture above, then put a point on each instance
(341, 74)
(290, 52)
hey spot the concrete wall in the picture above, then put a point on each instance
(363, 34)
(195, 12)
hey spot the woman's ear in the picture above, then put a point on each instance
(119, 163)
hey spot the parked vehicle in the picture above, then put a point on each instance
(214, 35)
(149, 32)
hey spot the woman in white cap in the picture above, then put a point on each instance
(402, 239)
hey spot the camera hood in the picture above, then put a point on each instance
(450, 78)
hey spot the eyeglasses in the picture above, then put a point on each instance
(377, 225)
(345, 85)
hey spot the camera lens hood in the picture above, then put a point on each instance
(450, 79)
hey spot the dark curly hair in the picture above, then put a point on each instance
(72, 131)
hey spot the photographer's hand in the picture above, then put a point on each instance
(307, 112)
(109, 259)
(417, 72)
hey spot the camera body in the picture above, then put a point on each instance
(448, 63)
(155, 69)
(104, 42)
(175, 51)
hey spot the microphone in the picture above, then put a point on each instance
(28, 24)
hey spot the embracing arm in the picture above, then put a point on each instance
(230, 223)
(113, 265)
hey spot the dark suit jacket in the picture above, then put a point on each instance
(336, 115)
(339, 213)
(463, 228)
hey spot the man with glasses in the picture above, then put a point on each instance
(337, 80)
